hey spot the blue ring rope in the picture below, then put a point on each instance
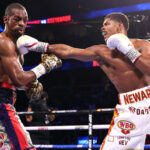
(75, 146)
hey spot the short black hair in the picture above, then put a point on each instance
(119, 17)
(8, 10)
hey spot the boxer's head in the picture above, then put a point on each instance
(115, 23)
(15, 19)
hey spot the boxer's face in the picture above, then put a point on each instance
(109, 27)
(16, 22)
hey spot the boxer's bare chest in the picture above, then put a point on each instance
(122, 73)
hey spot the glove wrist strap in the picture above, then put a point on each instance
(39, 70)
(133, 54)
(41, 47)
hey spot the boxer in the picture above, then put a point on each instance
(12, 77)
(126, 63)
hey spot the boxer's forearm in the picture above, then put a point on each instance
(143, 64)
(67, 52)
(61, 50)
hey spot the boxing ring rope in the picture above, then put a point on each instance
(69, 111)
(88, 127)
(71, 127)
(97, 146)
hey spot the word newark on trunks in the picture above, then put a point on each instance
(135, 97)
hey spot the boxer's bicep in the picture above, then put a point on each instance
(14, 70)
(9, 61)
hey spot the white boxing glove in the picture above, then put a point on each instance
(26, 43)
(124, 45)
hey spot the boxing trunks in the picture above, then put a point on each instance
(13, 135)
(130, 123)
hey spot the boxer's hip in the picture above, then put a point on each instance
(7, 93)
(132, 115)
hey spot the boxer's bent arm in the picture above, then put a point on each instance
(143, 63)
(67, 52)
(14, 70)
(11, 66)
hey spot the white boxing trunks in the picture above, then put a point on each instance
(130, 123)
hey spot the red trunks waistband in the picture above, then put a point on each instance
(7, 85)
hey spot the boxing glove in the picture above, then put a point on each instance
(124, 45)
(27, 43)
(48, 63)
(34, 90)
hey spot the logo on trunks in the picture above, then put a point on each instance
(3, 137)
(123, 140)
(139, 111)
(125, 126)
(135, 97)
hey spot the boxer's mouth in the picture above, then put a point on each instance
(21, 30)
(104, 33)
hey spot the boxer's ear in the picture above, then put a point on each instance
(5, 19)
(120, 27)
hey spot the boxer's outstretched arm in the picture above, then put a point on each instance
(27, 43)
(67, 52)
(13, 69)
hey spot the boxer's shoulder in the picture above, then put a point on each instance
(5, 41)
(7, 46)
(141, 44)
(139, 41)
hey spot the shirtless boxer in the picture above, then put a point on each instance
(127, 64)
(12, 133)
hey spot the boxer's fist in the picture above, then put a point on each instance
(50, 61)
(34, 91)
(27, 43)
(119, 41)
(124, 45)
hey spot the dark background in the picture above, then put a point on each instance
(76, 85)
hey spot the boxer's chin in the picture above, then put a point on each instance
(105, 39)
(18, 33)
(21, 32)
